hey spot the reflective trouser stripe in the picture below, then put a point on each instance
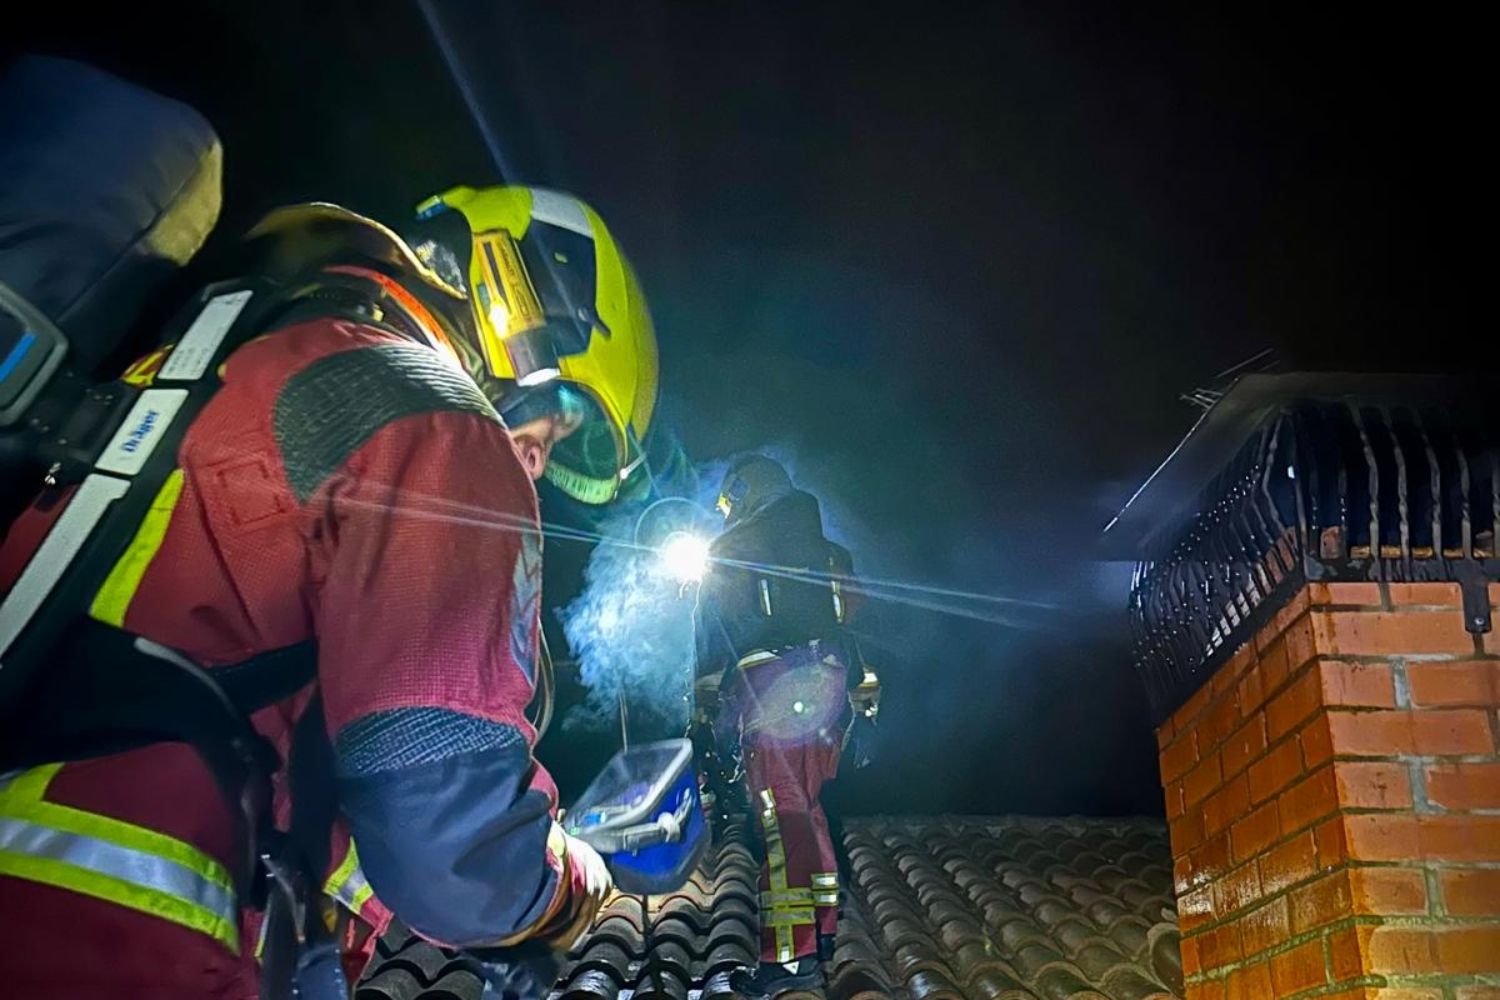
(826, 897)
(778, 920)
(825, 880)
(791, 897)
(784, 921)
(112, 860)
(347, 884)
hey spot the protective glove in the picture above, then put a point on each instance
(589, 886)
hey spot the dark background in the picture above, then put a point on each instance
(957, 262)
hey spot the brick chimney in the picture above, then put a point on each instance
(1314, 613)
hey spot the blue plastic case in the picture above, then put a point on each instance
(642, 813)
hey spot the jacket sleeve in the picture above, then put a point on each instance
(427, 574)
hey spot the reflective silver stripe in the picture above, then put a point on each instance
(195, 351)
(136, 867)
(826, 880)
(354, 892)
(56, 553)
(560, 210)
(143, 429)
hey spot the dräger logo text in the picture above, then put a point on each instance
(141, 431)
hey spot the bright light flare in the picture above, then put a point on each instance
(685, 556)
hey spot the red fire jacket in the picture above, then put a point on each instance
(354, 487)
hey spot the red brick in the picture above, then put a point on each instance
(1191, 963)
(1273, 667)
(1265, 927)
(1287, 864)
(1469, 950)
(1255, 832)
(1182, 876)
(1332, 848)
(1201, 780)
(1461, 682)
(1172, 795)
(1451, 731)
(1220, 946)
(1390, 633)
(1243, 745)
(1464, 786)
(1348, 594)
(1301, 645)
(1382, 837)
(1361, 685)
(1222, 681)
(1388, 891)
(1445, 595)
(1372, 784)
(1185, 832)
(1299, 969)
(1164, 734)
(1346, 951)
(1243, 659)
(1237, 890)
(1209, 989)
(1196, 703)
(1210, 860)
(1275, 770)
(1317, 741)
(1194, 909)
(1287, 710)
(1470, 892)
(1252, 690)
(1320, 903)
(1226, 805)
(1217, 723)
(1251, 982)
(1179, 758)
(1401, 950)
(1370, 734)
(1309, 800)
(1460, 838)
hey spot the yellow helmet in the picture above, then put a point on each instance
(553, 299)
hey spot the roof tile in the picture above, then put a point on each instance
(937, 908)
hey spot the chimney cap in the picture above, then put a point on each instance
(1165, 500)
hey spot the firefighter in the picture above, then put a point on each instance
(771, 624)
(365, 477)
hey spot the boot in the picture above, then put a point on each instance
(772, 979)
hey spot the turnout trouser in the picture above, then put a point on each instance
(792, 709)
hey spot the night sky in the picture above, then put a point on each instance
(956, 262)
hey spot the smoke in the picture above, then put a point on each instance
(631, 630)
(631, 626)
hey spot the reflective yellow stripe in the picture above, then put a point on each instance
(826, 898)
(114, 598)
(112, 860)
(791, 897)
(826, 880)
(784, 921)
(347, 884)
(776, 872)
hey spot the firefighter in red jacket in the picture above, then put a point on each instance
(771, 624)
(364, 478)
